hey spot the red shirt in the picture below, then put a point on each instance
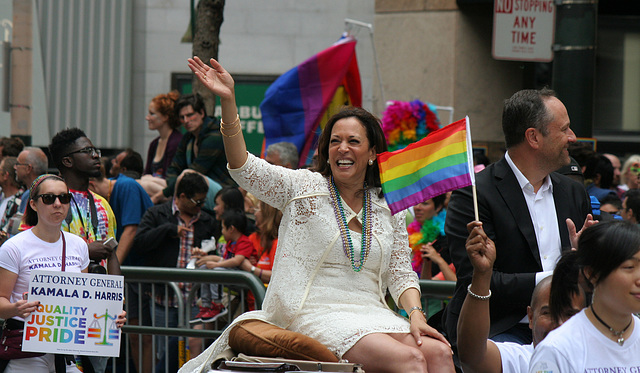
(243, 246)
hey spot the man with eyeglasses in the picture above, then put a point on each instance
(201, 149)
(90, 215)
(166, 236)
(32, 162)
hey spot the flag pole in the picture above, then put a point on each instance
(471, 168)
(475, 202)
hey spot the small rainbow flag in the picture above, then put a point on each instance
(439, 163)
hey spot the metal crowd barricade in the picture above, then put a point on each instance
(436, 289)
(235, 283)
(434, 295)
(146, 281)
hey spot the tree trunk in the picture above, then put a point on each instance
(206, 41)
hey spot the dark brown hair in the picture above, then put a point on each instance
(375, 136)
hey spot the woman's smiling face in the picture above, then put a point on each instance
(349, 151)
(621, 288)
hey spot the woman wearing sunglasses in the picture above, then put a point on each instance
(44, 244)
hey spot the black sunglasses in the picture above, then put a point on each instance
(49, 199)
(199, 202)
(88, 150)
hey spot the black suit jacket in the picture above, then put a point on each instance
(506, 220)
(157, 240)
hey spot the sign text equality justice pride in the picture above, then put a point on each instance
(76, 315)
(523, 30)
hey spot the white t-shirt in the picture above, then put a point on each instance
(515, 357)
(25, 252)
(578, 347)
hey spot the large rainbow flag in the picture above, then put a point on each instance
(439, 163)
(295, 103)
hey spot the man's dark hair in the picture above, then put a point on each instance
(598, 164)
(525, 109)
(192, 183)
(633, 202)
(11, 146)
(235, 218)
(196, 102)
(132, 161)
(61, 143)
(581, 152)
(611, 200)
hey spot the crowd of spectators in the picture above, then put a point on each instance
(182, 206)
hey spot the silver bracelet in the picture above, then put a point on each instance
(479, 297)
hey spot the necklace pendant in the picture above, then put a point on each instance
(620, 341)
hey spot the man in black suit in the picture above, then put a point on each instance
(525, 209)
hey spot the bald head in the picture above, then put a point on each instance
(32, 162)
(538, 292)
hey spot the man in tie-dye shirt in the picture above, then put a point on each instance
(90, 215)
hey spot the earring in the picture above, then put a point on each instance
(370, 162)
(328, 162)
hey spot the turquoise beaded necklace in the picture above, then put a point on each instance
(347, 245)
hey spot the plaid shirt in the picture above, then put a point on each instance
(186, 244)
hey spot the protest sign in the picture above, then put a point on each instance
(76, 315)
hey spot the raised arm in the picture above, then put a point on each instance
(477, 353)
(220, 82)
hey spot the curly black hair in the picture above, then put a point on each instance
(61, 142)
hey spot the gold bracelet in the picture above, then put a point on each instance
(232, 124)
(417, 309)
(235, 134)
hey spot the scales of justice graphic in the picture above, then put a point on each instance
(96, 331)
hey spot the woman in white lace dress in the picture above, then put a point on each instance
(339, 250)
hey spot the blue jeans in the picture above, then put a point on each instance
(166, 319)
(170, 352)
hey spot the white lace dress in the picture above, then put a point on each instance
(313, 289)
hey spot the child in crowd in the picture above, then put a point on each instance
(237, 248)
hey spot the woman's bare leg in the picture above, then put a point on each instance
(382, 353)
(439, 356)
